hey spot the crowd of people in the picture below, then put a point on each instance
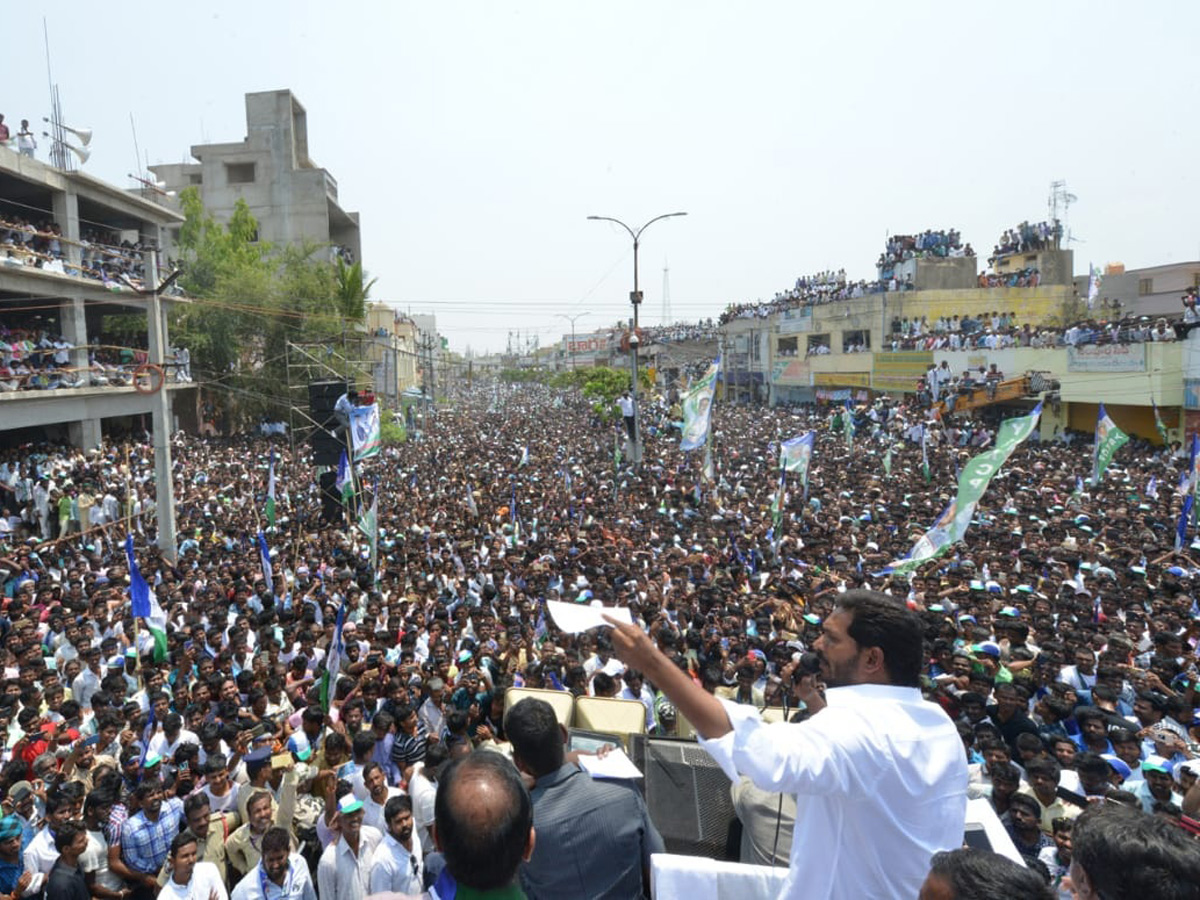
(1059, 638)
(702, 330)
(1027, 277)
(812, 294)
(1027, 238)
(24, 141)
(35, 358)
(938, 244)
(999, 330)
(102, 255)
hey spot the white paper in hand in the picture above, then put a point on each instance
(615, 765)
(574, 617)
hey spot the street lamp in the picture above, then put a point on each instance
(635, 298)
(572, 319)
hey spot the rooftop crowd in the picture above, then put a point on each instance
(938, 244)
(1060, 637)
(999, 330)
(1028, 238)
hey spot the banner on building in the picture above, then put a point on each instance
(1107, 358)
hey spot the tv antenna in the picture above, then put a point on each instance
(1060, 203)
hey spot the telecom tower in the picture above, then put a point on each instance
(1061, 200)
(666, 301)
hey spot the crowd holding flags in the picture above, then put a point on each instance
(365, 437)
(1193, 472)
(777, 506)
(1109, 439)
(368, 524)
(1095, 277)
(269, 510)
(264, 555)
(795, 455)
(952, 524)
(345, 479)
(333, 660)
(144, 605)
(1181, 529)
(697, 409)
(925, 452)
(1158, 424)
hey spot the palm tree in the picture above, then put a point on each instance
(352, 293)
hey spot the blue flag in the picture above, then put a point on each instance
(144, 605)
(264, 556)
(1182, 528)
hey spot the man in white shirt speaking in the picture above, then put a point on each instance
(879, 773)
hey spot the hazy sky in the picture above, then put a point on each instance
(475, 137)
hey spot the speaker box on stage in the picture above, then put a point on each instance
(687, 794)
(322, 396)
(331, 499)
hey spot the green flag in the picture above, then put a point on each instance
(364, 431)
(778, 503)
(1109, 439)
(848, 425)
(925, 454)
(368, 524)
(697, 409)
(887, 461)
(1158, 423)
(952, 524)
(345, 479)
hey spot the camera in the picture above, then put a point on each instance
(808, 664)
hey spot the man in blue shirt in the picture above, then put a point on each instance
(146, 838)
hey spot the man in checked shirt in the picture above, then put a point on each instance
(146, 839)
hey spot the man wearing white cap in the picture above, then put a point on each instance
(344, 872)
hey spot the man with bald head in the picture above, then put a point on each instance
(483, 826)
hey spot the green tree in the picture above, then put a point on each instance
(352, 293)
(603, 385)
(251, 298)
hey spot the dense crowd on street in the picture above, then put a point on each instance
(1060, 637)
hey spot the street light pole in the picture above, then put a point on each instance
(635, 298)
(572, 319)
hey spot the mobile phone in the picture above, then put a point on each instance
(258, 730)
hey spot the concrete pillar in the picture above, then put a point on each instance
(66, 213)
(73, 322)
(84, 434)
(164, 488)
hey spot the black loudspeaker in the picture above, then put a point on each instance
(688, 796)
(327, 446)
(331, 500)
